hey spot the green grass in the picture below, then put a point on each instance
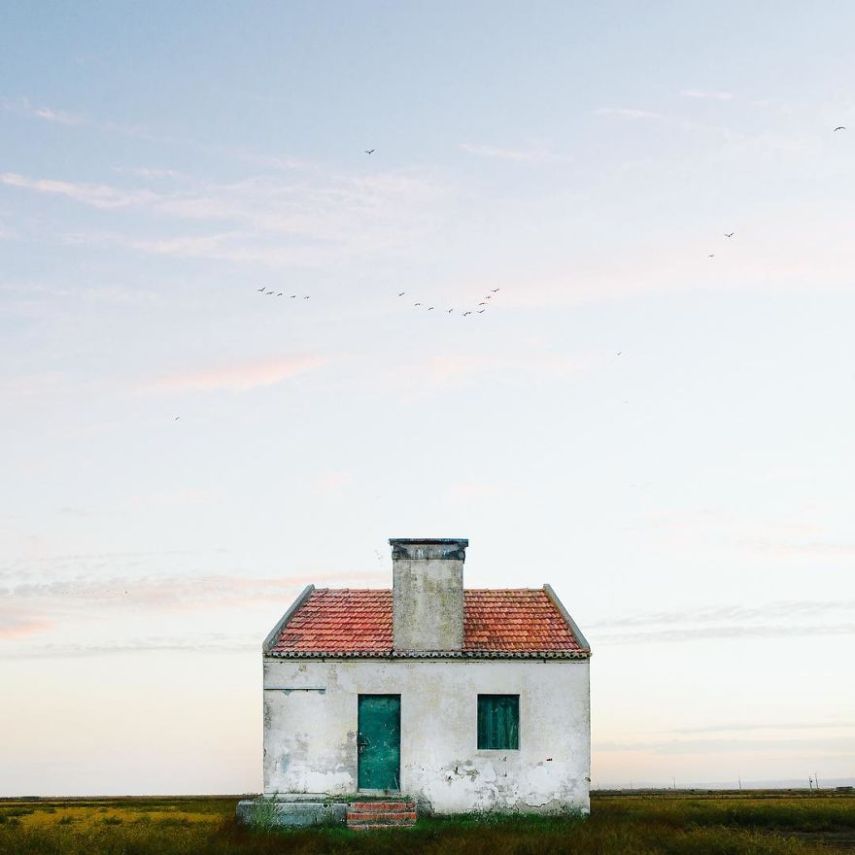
(628, 824)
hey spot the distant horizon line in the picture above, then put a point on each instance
(775, 785)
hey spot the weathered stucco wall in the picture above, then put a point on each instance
(310, 735)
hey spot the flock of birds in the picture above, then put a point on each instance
(271, 292)
(482, 306)
(477, 310)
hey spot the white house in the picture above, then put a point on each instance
(462, 700)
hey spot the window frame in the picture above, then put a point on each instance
(515, 722)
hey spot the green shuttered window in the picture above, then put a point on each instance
(499, 721)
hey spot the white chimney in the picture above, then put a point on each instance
(427, 593)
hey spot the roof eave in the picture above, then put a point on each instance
(277, 630)
(574, 628)
(428, 654)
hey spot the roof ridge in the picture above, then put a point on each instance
(538, 589)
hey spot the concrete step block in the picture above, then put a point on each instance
(274, 812)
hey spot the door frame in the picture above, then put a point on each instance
(370, 790)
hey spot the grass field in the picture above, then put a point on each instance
(768, 823)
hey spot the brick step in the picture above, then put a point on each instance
(391, 813)
(381, 816)
(377, 826)
(364, 807)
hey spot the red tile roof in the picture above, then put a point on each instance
(501, 622)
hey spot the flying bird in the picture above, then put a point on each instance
(482, 304)
(711, 255)
(466, 313)
(417, 304)
(293, 296)
(369, 151)
(279, 294)
(450, 311)
(493, 290)
(262, 289)
(430, 308)
(728, 234)
(305, 298)
(489, 297)
(176, 418)
(840, 128)
(481, 311)
(402, 293)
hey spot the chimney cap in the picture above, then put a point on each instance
(450, 548)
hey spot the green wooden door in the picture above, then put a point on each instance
(379, 742)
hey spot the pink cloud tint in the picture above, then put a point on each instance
(12, 627)
(238, 378)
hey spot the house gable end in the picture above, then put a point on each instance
(574, 627)
(274, 633)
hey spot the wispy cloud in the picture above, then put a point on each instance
(628, 113)
(833, 746)
(35, 616)
(538, 154)
(237, 247)
(148, 172)
(237, 378)
(209, 642)
(791, 263)
(723, 633)
(738, 614)
(170, 593)
(97, 195)
(14, 627)
(24, 106)
(783, 538)
(707, 95)
(793, 619)
(322, 215)
(740, 727)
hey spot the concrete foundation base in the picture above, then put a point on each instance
(302, 809)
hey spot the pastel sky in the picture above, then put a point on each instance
(664, 436)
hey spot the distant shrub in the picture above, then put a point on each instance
(19, 811)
